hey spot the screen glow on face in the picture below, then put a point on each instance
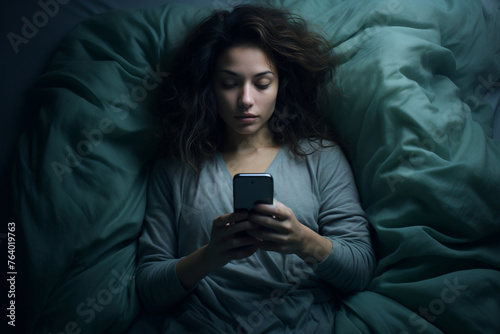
(246, 87)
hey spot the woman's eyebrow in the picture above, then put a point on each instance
(255, 75)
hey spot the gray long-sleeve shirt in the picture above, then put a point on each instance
(268, 291)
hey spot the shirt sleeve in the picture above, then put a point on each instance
(351, 263)
(157, 283)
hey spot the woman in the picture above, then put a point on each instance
(244, 95)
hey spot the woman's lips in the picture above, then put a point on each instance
(247, 118)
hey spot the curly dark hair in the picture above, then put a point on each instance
(304, 61)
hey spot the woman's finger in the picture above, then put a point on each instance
(230, 218)
(267, 221)
(236, 228)
(277, 210)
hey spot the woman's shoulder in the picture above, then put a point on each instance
(316, 147)
(323, 153)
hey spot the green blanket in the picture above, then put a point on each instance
(413, 79)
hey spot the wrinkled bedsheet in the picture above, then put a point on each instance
(409, 108)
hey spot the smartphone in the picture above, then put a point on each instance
(252, 188)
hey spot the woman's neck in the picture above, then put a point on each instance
(235, 142)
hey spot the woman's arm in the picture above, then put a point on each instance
(226, 244)
(162, 278)
(285, 234)
(341, 252)
(351, 264)
(157, 284)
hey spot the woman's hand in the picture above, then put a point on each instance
(230, 239)
(283, 233)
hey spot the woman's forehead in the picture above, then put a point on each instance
(245, 60)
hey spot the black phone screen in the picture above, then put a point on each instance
(251, 188)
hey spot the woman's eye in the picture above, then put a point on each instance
(230, 85)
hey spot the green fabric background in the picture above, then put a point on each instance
(418, 136)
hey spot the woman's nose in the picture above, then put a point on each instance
(246, 98)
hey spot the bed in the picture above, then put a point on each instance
(419, 112)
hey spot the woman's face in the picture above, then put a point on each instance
(246, 86)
